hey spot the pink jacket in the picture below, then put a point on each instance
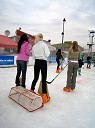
(24, 52)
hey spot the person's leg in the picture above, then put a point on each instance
(44, 85)
(58, 63)
(69, 75)
(17, 81)
(74, 76)
(36, 74)
(44, 76)
(87, 64)
(24, 69)
(61, 63)
(69, 78)
(79, 71)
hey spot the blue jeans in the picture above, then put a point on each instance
(21, 68)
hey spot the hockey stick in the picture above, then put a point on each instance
(56, 75)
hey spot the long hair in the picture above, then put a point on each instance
(59, 51)
(38, 37)
(21, 41)
(75, 46)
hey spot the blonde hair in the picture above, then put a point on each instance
(38, 37)
(75, 46)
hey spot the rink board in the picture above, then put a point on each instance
(25, 98)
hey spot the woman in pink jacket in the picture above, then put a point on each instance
(22, 59)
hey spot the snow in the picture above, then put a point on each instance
(65, 110)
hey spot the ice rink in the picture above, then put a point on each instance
(65, 110)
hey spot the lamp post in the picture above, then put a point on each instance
(91, 35)
(64, 20)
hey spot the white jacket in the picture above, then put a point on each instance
(40, 51)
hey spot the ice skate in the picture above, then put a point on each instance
(62, 68)
(58, 70)
(67, 89)
(45, 98)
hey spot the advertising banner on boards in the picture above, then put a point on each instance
(6, 60)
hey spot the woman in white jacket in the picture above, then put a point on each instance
(40, 52)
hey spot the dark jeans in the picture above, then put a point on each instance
(40, 65)
(21, 68)
(58, 63)
(88, 64)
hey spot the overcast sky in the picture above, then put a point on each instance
(46, 17)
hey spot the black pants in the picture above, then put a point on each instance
(58, 63)
(21, 68)
(40, 65)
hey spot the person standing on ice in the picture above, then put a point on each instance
(59, 59)
(89, 59)
(40, 52)
(81, 63)
(24, 50)
(73, 56)
(93, 58)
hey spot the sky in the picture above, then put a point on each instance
(46, 17)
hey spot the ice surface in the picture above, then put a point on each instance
(65, 110)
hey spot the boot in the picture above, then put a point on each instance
(58, 70)
(62, 68)
(67, 89)
(45, 98)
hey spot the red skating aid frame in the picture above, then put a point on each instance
(25, 98)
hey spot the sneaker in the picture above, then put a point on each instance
(67, 89)
(45, 98)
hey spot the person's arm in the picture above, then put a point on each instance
(33, 53)
(69, 54)
(28, 49)
(47, 51)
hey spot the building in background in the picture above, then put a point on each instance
(7, 45)
(66, 46)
